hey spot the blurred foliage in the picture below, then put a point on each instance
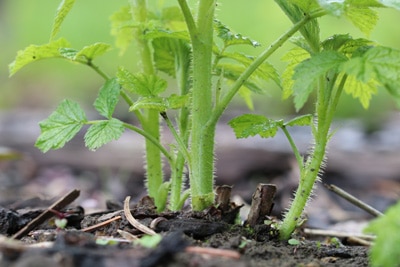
(42, 85)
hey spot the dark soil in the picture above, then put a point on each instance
(227, 243)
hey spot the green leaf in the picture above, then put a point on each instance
(245, 93)
(140, 83)
(362, 91)
(94, 50)
(103, 132)
(294, 56)
(306, 6)
(62, 11)
(108, 98)
(36, 52)
(250, 125)
(171, 53)
(380, 64)
(385, 250)
(61, 126)
(229, 38)
(149, 241)
(304, 120)
(309, 71)
(122, 28)
(159, 33)
(363, 18)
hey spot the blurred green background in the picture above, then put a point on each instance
(44, 84)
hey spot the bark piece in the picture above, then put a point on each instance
(261, 204)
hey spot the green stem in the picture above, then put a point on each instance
(150, 120)
(153, 140)
(296, 152)
(202, 140)
(256, 63)
(309, 173)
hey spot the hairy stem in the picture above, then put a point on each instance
(150, 120)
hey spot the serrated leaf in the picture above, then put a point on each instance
(36, 52)
(381, 64)
(251, 124)
(304, 120)
(107, 99)
(229, 38)
(62, 11)
(122, 28)
(140, 83)
(103, 132)
(294, 57)
(309, 71)
(385, 250)
(171, 54)
(61, 126)
(92, 51)
(361, 90)
(364, 19)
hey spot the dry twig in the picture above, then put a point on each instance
(133, 221)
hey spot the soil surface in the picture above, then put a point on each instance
(365, 164)
(209, 238)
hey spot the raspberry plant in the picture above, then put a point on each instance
(189, 44)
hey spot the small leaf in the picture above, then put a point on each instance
(149, 241)
(62, 11)
(250, 125)
(141, 84)
(245, 93)
(171, 54)
(160, 33)
(94, 50)
(229, 38)
(61, 126)
(103, 132)
(108, 98)
(294, 57)
(309, 71)
(122, 28)
(381, 64)
(36, 52)
(362, 91)
(304, 120)
(363, 18)
(385, 250)
(176, 101)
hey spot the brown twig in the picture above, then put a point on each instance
(215, 252)
(261, 204)
(102, 224)
(133, 221)
(355, 201)
(47, 214)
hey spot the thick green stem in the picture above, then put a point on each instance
(202, 139)
(150, 120)
(308, 175)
